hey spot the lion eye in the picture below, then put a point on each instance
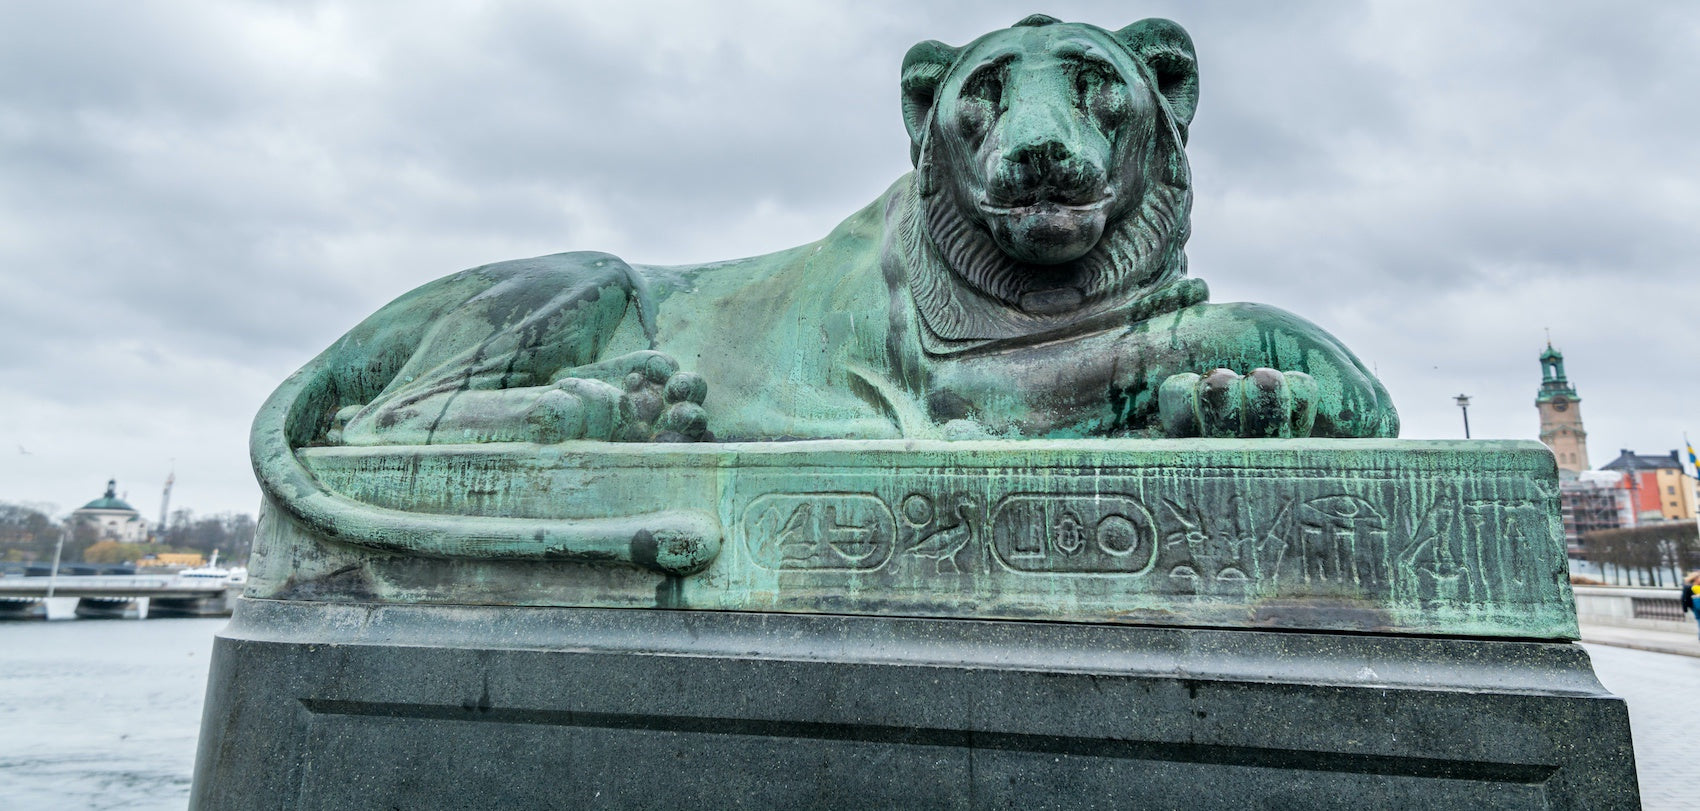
(986, 86)
(1090, 79)
(1100, 93)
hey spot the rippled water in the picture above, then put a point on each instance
(101, 714)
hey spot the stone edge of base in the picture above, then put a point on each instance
(1322, 658)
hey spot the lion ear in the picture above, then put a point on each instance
(923, 69)
(1166, 48)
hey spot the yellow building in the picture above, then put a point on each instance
(1658, 485)
(1676, 493)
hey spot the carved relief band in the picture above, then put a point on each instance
(1386, 536)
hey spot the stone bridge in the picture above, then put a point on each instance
(103, 596)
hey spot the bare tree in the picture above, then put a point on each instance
(1648, 555)
(27, 531)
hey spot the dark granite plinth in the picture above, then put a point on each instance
(315, 705)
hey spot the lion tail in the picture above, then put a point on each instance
(672, 542)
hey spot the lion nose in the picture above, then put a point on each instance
(1039, 154)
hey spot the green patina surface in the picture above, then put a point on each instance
(1026, 281)
(1384, 536)
(575, 430)
(1554, 385)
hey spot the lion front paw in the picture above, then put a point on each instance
(662, 404)
(1264, 403)
(640, 397)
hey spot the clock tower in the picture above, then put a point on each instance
(1561, 414)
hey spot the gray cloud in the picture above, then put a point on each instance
(194, 199)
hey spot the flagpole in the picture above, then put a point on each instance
(1695, 461)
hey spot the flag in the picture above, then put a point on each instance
(1692, 459)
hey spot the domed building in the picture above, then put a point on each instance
(112, 517)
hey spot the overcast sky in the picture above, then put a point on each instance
(195, 198)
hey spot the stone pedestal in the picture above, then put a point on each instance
(362, 706)
(1206, 624)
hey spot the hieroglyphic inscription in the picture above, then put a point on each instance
(1224, 545)
(1059, 532)
(940, 529)
(822, 531)
(1430, 562)
(1502, 535)
(1308, 533)
(1341, 540)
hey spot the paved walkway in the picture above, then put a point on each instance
(1660, 690)
(1682, 638)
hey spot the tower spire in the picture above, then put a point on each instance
(1561, 413)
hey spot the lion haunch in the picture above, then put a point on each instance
(1027, 279)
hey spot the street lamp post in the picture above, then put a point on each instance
(1463, 401)
(58, 547)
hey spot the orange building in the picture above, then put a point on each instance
(1658, 485)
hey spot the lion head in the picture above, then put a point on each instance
(1051, 172)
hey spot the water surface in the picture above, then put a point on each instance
(101, 714)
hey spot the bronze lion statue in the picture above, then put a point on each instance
(1026, 280)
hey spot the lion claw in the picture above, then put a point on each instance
(655, 402)
(1263, 404)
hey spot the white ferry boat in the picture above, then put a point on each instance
(214, 573)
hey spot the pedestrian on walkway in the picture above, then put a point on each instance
(1691, 592)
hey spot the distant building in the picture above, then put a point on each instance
(112, 518)
(1594, 500)
(1658, 486)
(1561, 415)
